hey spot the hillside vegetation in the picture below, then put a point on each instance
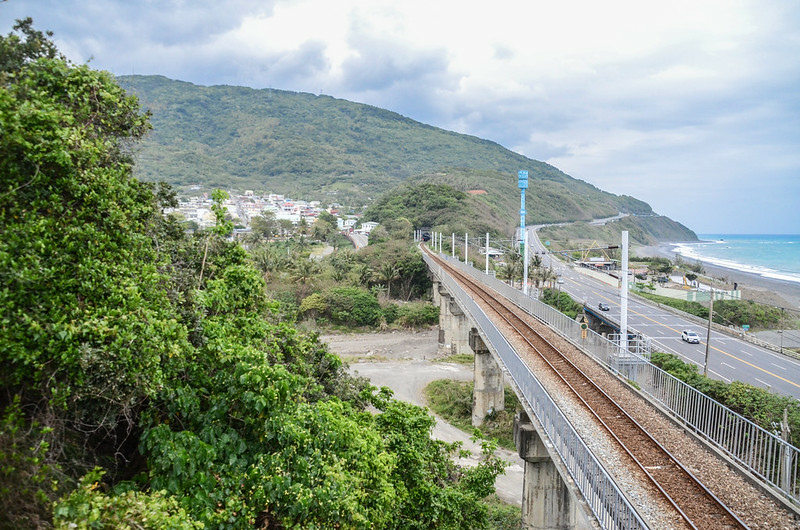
(319, 147)
(642, 230)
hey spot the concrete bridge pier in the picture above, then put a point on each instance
(443, 298)
(487, 394)
(547, 503)
(460, 326)
(453, 324)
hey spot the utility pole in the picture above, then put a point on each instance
(466, 246)
(708, 332)
(454, 244)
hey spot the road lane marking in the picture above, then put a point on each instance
(721, 376)
(751, 365)
(778, 366)
(729, 366)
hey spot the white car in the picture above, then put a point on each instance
(690, 336)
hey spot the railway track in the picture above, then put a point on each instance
(698, 506)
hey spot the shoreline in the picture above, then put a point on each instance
(761, 289)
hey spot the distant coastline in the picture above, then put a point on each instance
(778, 292)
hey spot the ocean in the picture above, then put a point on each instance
(770, 256)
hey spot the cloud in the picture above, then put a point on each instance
(638, 98)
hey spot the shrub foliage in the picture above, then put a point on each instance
(148, 379)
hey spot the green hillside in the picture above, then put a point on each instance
(319, 147)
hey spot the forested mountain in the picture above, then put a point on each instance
(319, 147)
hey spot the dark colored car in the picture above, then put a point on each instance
(602, 307)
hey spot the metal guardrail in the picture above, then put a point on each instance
(765, 454)
(607, 502)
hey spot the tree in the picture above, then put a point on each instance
(85, 305)
(15, 52)
(286, 226)
(388, 272)
(114, 357)
(263, 225)
(304, 270)
(325, 226)
(269, 260)
(364, 274)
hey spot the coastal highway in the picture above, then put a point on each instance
(729, 358)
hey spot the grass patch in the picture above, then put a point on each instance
(503, 516)
(452, 400)
(467, 359)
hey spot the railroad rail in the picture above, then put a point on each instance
(698, 506)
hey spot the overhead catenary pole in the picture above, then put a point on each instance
(522, 183)
(454, 244)
(466, 246)
(487, 253)
(623, 295)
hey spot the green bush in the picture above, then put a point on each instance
(739, 312)
(88, 507)
(503, 516)
(353, 306)
(561, 301)
(28, 483)
(728, 312)
(417, 315)
(390, 312)
(693, 308)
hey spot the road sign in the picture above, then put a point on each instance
(522, 179)
(547, 243)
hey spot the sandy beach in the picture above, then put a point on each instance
(778, 293)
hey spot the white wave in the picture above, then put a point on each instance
(690, 251)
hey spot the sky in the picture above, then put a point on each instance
(691, 106)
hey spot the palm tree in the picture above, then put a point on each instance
(304, 270)
(388, 273)
(268, 259)
(507, 273)
(364, 273)
(547, 275)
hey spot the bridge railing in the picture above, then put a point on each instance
(607, 502)
(765, 454)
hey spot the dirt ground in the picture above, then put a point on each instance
(406, 362)
(389, 345)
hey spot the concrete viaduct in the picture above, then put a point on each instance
(565, 486)
(549, 499)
